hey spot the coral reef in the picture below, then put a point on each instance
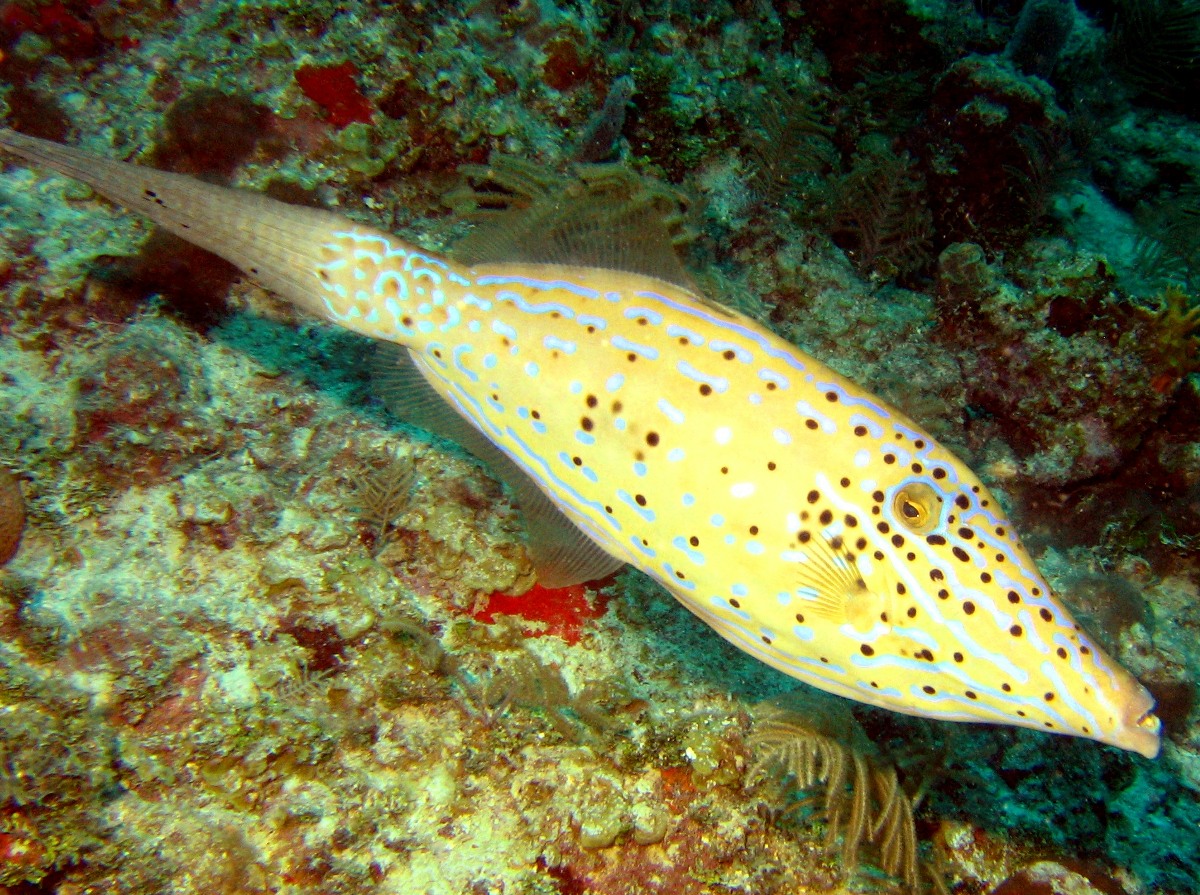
(260, 636)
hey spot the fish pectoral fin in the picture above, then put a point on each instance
(830, 580)
(561, 553)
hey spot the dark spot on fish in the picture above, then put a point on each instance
(851, 522)
(631, 357)
(889, 458)
(969, 608)
(962, 502)
(883, 527)
(826, 517)
(985, 577)
(800, 618)
(831, 397)
(919, 444)
(753, 529)
(586, 424)
(652, 439)
(617, 406)
(860, 431)
(1014, 597)
(535, 414)
(1049, 697)
(770, 386)
(960, 554)
(937, 575)
(608, 510)
(958, 657)
(812, 424)
(912, 612)
(966, 534)
(724, 470)
(728, 354)
(578, 461)
(639, 499)
(592, 401)
(970, 694)
(860, 544)
(867, 650)
(705, 389)
(844, 482)
(938, 472)
(897, 540)
(928, 689)
(694, 541)
(917, 467)
(814, 496)
(1062, 653)
(935, 540)
(1046, 614)
(877, 496)
(804, 537)
(771, 465)
(1015, 631)
(1084, 651)
(766, 640)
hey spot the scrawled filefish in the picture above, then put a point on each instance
(809, 523)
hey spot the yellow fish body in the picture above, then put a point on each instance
(809, 523)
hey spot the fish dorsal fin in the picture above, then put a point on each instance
(562, 555)
(597, 216)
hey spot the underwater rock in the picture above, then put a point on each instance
(12, 515)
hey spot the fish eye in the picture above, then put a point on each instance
(916, 506)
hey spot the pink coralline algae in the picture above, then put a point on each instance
(335, 90)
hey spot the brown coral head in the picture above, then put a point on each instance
(12, 515)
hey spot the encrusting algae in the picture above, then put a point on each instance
(852, 552)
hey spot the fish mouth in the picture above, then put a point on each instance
(1146, 734)
(1141, 729)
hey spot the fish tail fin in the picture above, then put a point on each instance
(283, 247)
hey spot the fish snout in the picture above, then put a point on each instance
(1137, 729)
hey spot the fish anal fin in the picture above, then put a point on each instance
(561, 553)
